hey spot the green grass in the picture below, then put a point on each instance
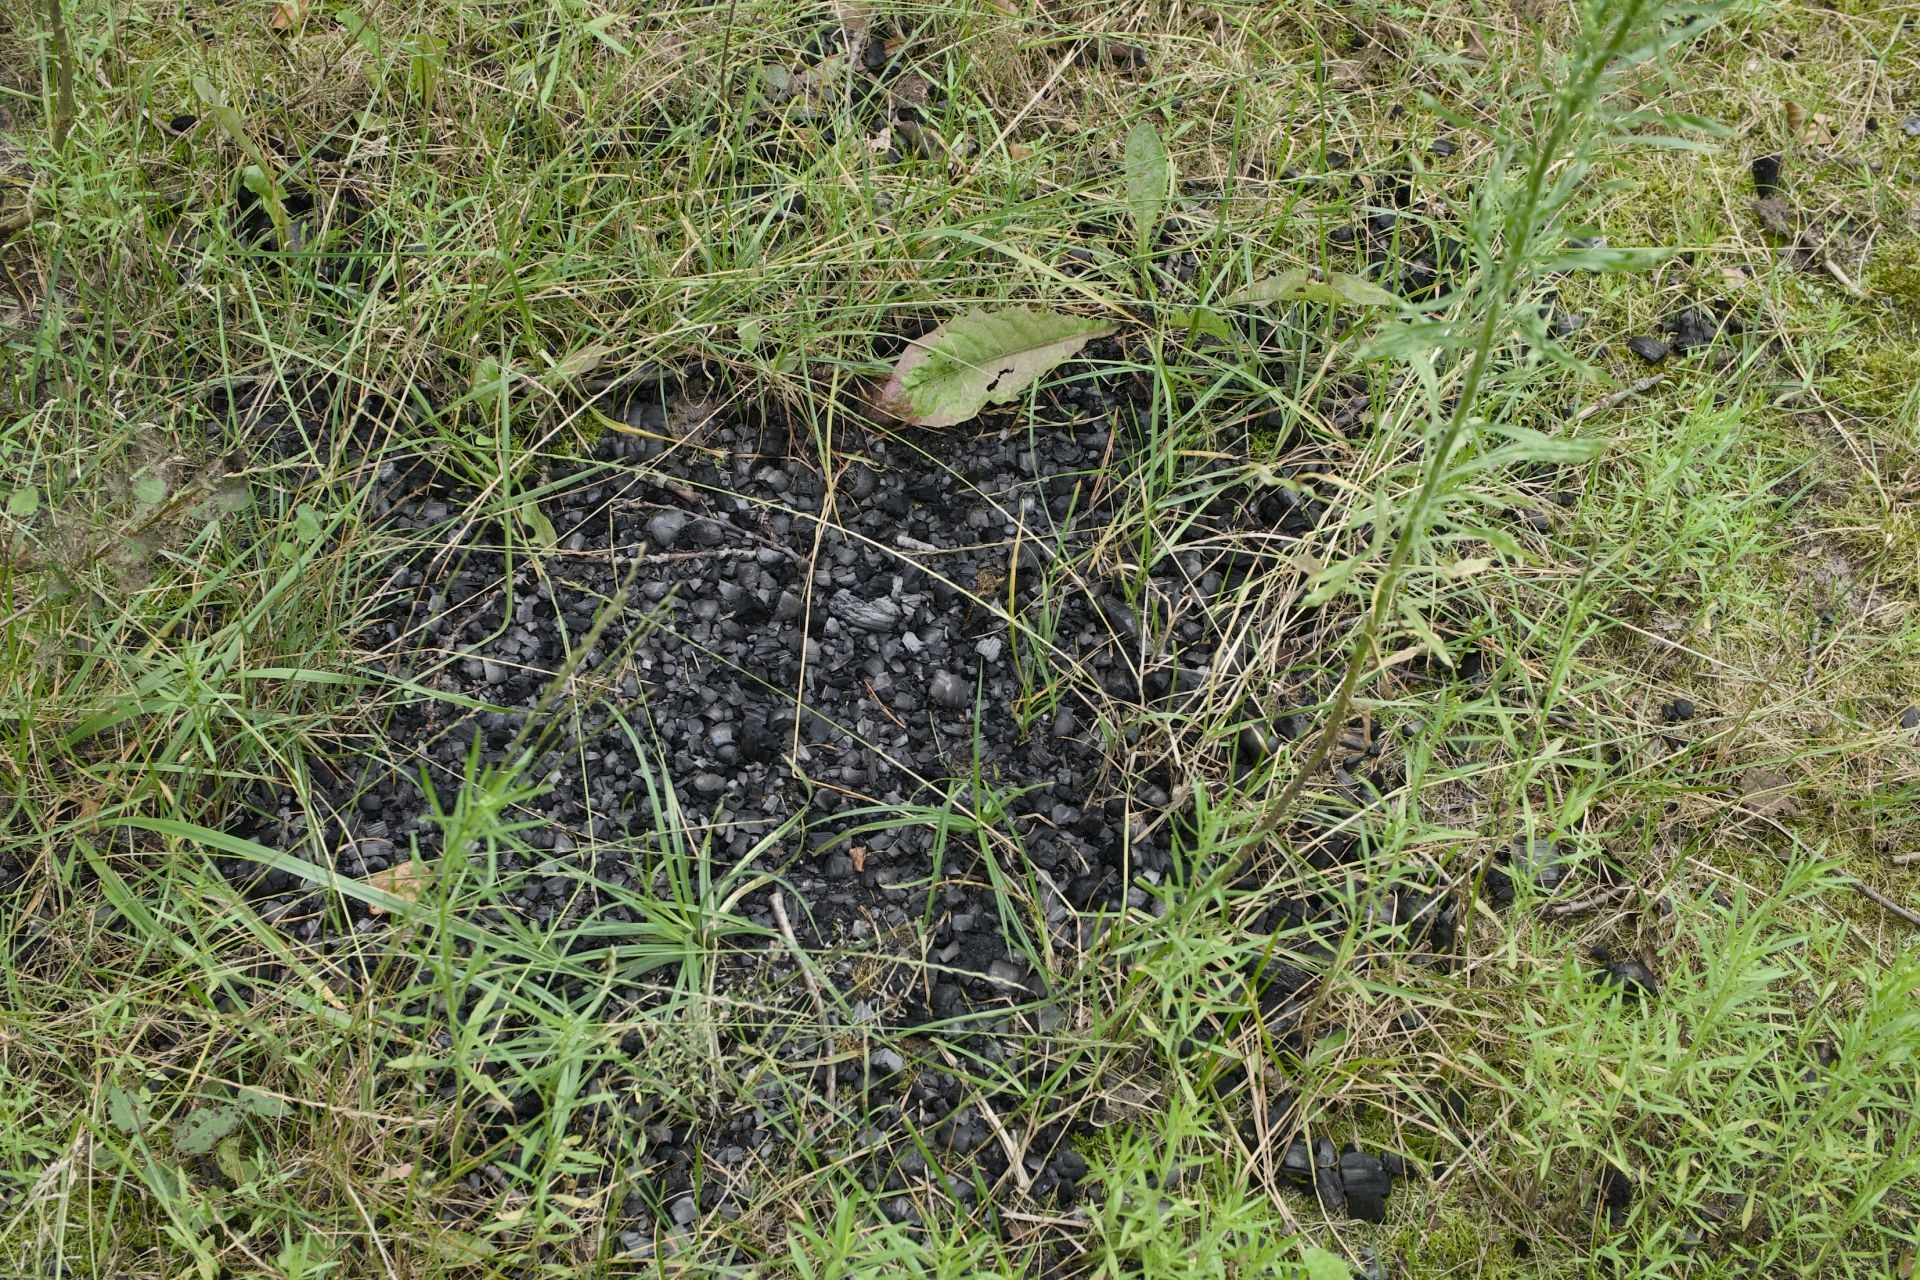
(490, 214)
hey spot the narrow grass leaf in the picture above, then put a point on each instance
(1339, 287)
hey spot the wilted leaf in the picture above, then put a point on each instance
(577, 364)
(1300, 286)
(980, 358)
(857, 853)
(288, 14)
(230, 497)
(1149, 179)
(396, 1173)
(406, 880)
(205, 1127)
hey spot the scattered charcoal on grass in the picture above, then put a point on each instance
(768, 675)
(1615, 1190)
(1630, 974)
(1366, 1182)
(1766, 175)
(1677, 710)
(1540, 861)
(1326, 1178)
(1650, 349)
(1691, 328)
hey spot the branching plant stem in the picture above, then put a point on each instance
(1576, 101)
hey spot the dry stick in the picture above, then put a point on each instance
(1906, 859)
(1588, 903)
(1625, 393)
(779, 903)
(1911, 916)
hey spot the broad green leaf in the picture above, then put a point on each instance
(489, 380)
(231, 1156)
(263, 1104)
(361, 30)
(1201, 320)
(205, 1127)
(150, 490)
(425, 62)
(23, 502)
(1300, 286)
(1322, 1265)
(306, 523)
(1149, 179)
(537, 524)
(126, 1108)
(981, 358)
(223, 115)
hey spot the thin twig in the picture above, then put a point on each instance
(813, 988)
(1625, 393)
(1589, 902)
(1906, 859)
(1911, 916)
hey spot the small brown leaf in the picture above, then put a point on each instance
(396, 1173)
(858, 853)
(403, 880)
(1007, 7)
(290, 14)
(1796, 120)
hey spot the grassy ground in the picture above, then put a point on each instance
(448, 227)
